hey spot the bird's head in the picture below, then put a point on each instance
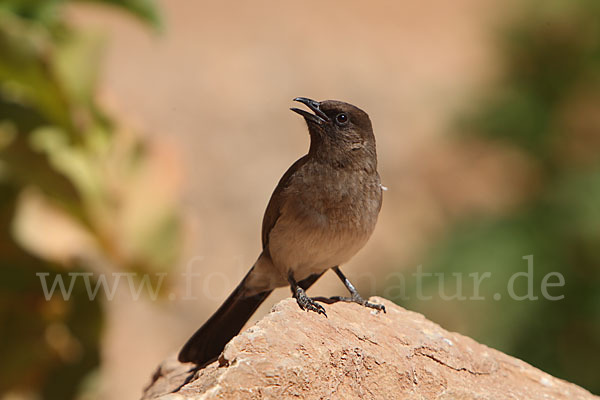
(339, 131)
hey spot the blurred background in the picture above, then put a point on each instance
(145, 138)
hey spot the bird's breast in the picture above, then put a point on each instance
(327, 217)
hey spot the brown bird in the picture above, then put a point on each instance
(321, 213)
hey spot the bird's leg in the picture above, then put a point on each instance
(354, 296)
(305, 302)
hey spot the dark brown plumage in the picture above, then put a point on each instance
(321, 213)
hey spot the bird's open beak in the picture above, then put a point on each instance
(319, 116)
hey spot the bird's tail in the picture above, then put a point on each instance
(208, 342)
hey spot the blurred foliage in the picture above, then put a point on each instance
(547, 105)
(67, 170)
(49, 12)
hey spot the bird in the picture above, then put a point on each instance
(321, 213)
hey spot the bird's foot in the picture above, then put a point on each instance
(306, 303)
(356, 298)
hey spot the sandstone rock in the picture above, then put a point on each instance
(356, 353)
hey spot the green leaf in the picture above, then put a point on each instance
(72, 162)
(45, 12)
(76, 64)
(145, 10)
(24, 71)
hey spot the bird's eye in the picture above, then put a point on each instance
(342, 119)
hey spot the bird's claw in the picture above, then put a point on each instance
(308, 304)
(378, 307)
(359, 300)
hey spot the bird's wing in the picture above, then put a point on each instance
(277, 201)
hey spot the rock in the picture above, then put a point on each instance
(356, 353)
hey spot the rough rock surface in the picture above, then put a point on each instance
(356, 353)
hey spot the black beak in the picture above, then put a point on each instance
(319, 116)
